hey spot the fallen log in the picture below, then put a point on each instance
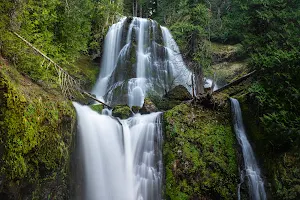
(234, 82)
(94, 98)
(64, 84)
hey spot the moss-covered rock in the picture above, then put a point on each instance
(122, 111)
(228, 71)
(135, 109)
(172, 98)
(199, 154)
(97, 107)
(36, 133)
(148, 107)
(179, 92)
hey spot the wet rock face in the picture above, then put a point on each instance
(148, 107)
(174, 97)
(225, 53)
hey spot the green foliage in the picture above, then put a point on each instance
(271, 38)
(281, 169)
(104, 14)
(63, 30)
(199, 154)
(189, 24)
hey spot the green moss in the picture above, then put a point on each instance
(224, 48)
(199, 154)
(97, 107)
(180, 93)
(36, 134)
(121, 111)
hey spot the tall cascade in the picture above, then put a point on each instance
(122, 159)
(251, 170)
(139, 57)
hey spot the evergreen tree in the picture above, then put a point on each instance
(272, 40)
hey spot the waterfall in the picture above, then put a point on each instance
(251, 170)
(112, 48)
(122, 159)
(140, 57)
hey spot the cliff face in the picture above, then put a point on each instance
(36, 135)
(200, 155)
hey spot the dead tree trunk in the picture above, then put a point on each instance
(199, 83)
(193, 87)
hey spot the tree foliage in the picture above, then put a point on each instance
(272, 39)
(63, 30)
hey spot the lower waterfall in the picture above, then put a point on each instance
(251, 171)
(120, 161)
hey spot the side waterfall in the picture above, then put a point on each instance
(122, 159)
(251, 170)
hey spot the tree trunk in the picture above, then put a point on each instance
(193, 87)
(235, 82)
(199, 81)
(133, 12)
(136, 8)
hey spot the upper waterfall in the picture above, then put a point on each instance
(139, 57)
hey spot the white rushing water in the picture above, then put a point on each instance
(112, 48)
(139, 57)
(251, 171)
(208, 83)
(122, 158)
(177, 66)
(120, 161)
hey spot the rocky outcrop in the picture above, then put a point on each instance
(36, 134)
(172, 98)
(148, 107)
(200, 156)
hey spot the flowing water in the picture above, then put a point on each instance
(139, 57)
(122, 159)
(251, 170)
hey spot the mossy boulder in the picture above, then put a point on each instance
(172, 98)
(122, 111)
(200, 154)
(179, 92)
(135, 109)
(36, 133)
(148, 107)
(97, 107)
